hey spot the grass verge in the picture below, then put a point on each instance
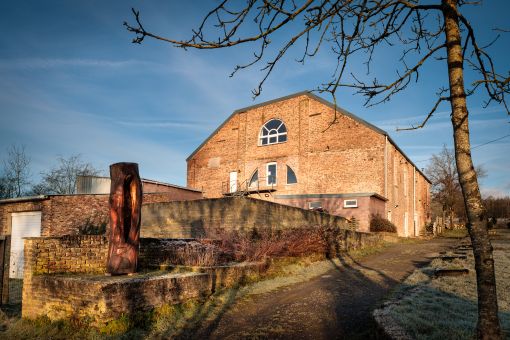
(429, 307)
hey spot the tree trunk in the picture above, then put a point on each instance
(488, 326)
(125, 209)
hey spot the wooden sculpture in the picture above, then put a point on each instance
(125, 213)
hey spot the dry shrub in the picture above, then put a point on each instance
(378, 223)
(259, 244)
(193, 253)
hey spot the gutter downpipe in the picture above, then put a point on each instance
(414, 201)
(386, 172)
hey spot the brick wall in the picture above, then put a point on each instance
(346, 157)
(65, 214)
(69, 254)
(49, 291)
(102, 299)
(184, 219)
(407, 193)
(367, 206)
(340, 158)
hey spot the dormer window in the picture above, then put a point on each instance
(273, 132)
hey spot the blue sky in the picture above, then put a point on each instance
(71, 82)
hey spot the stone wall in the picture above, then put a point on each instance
(49, 290)
(66, 214)
(368, 205)
(69, 254)
(185, 219)
(103, 298)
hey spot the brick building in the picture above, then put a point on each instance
(59, 215)
(303, 151)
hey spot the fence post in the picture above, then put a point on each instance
(5, 251)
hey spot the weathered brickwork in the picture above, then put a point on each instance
(367, 206)
(330, 151)
(66, 214)
(101, 298)
(69, 254)
(49, 290)
(184, 219)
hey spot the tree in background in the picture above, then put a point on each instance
(61, 179)
(354, 30)
(497, 207)
(446, 189)
(16, 173)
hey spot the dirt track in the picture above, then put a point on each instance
(335, 305)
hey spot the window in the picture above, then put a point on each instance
(271, 173)
(254, 180)
(291, 176)
(314, 205)
(350, 203)
(273, 132)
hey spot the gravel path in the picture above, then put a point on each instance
(337, 304)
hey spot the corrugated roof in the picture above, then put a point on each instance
(154, 182)
(321, 100)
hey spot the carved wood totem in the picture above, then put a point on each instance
(125, 214)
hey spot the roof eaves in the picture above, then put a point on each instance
(145, 180)
(23, 199)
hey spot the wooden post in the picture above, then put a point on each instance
(125, 213)
(5, 255)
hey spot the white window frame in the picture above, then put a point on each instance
(272, 134)
(251, 183)
(310, 205)
(295, 176)
(275, 175)
(353, 205)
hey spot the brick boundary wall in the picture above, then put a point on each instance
(65, 214)
(199, 218)
(49, 290)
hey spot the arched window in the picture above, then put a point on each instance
(254, 180)
(273, 132)
(291, 176)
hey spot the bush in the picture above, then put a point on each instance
(429, 228)
(378, 224)
(263, 243)
(93, 226)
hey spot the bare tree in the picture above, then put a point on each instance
(61, 179)
(446, 190)
(355, 29)
(498, 207)
(16, 175)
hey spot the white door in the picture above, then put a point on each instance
(233, 181)
(406, 224)
(25, 224)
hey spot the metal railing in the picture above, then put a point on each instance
(243, 188)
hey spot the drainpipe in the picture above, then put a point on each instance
(414, 200)
(386, 174)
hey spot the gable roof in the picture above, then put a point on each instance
(322, 101)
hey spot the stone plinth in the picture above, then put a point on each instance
(102, 298)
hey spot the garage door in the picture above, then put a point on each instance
(25, 224)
